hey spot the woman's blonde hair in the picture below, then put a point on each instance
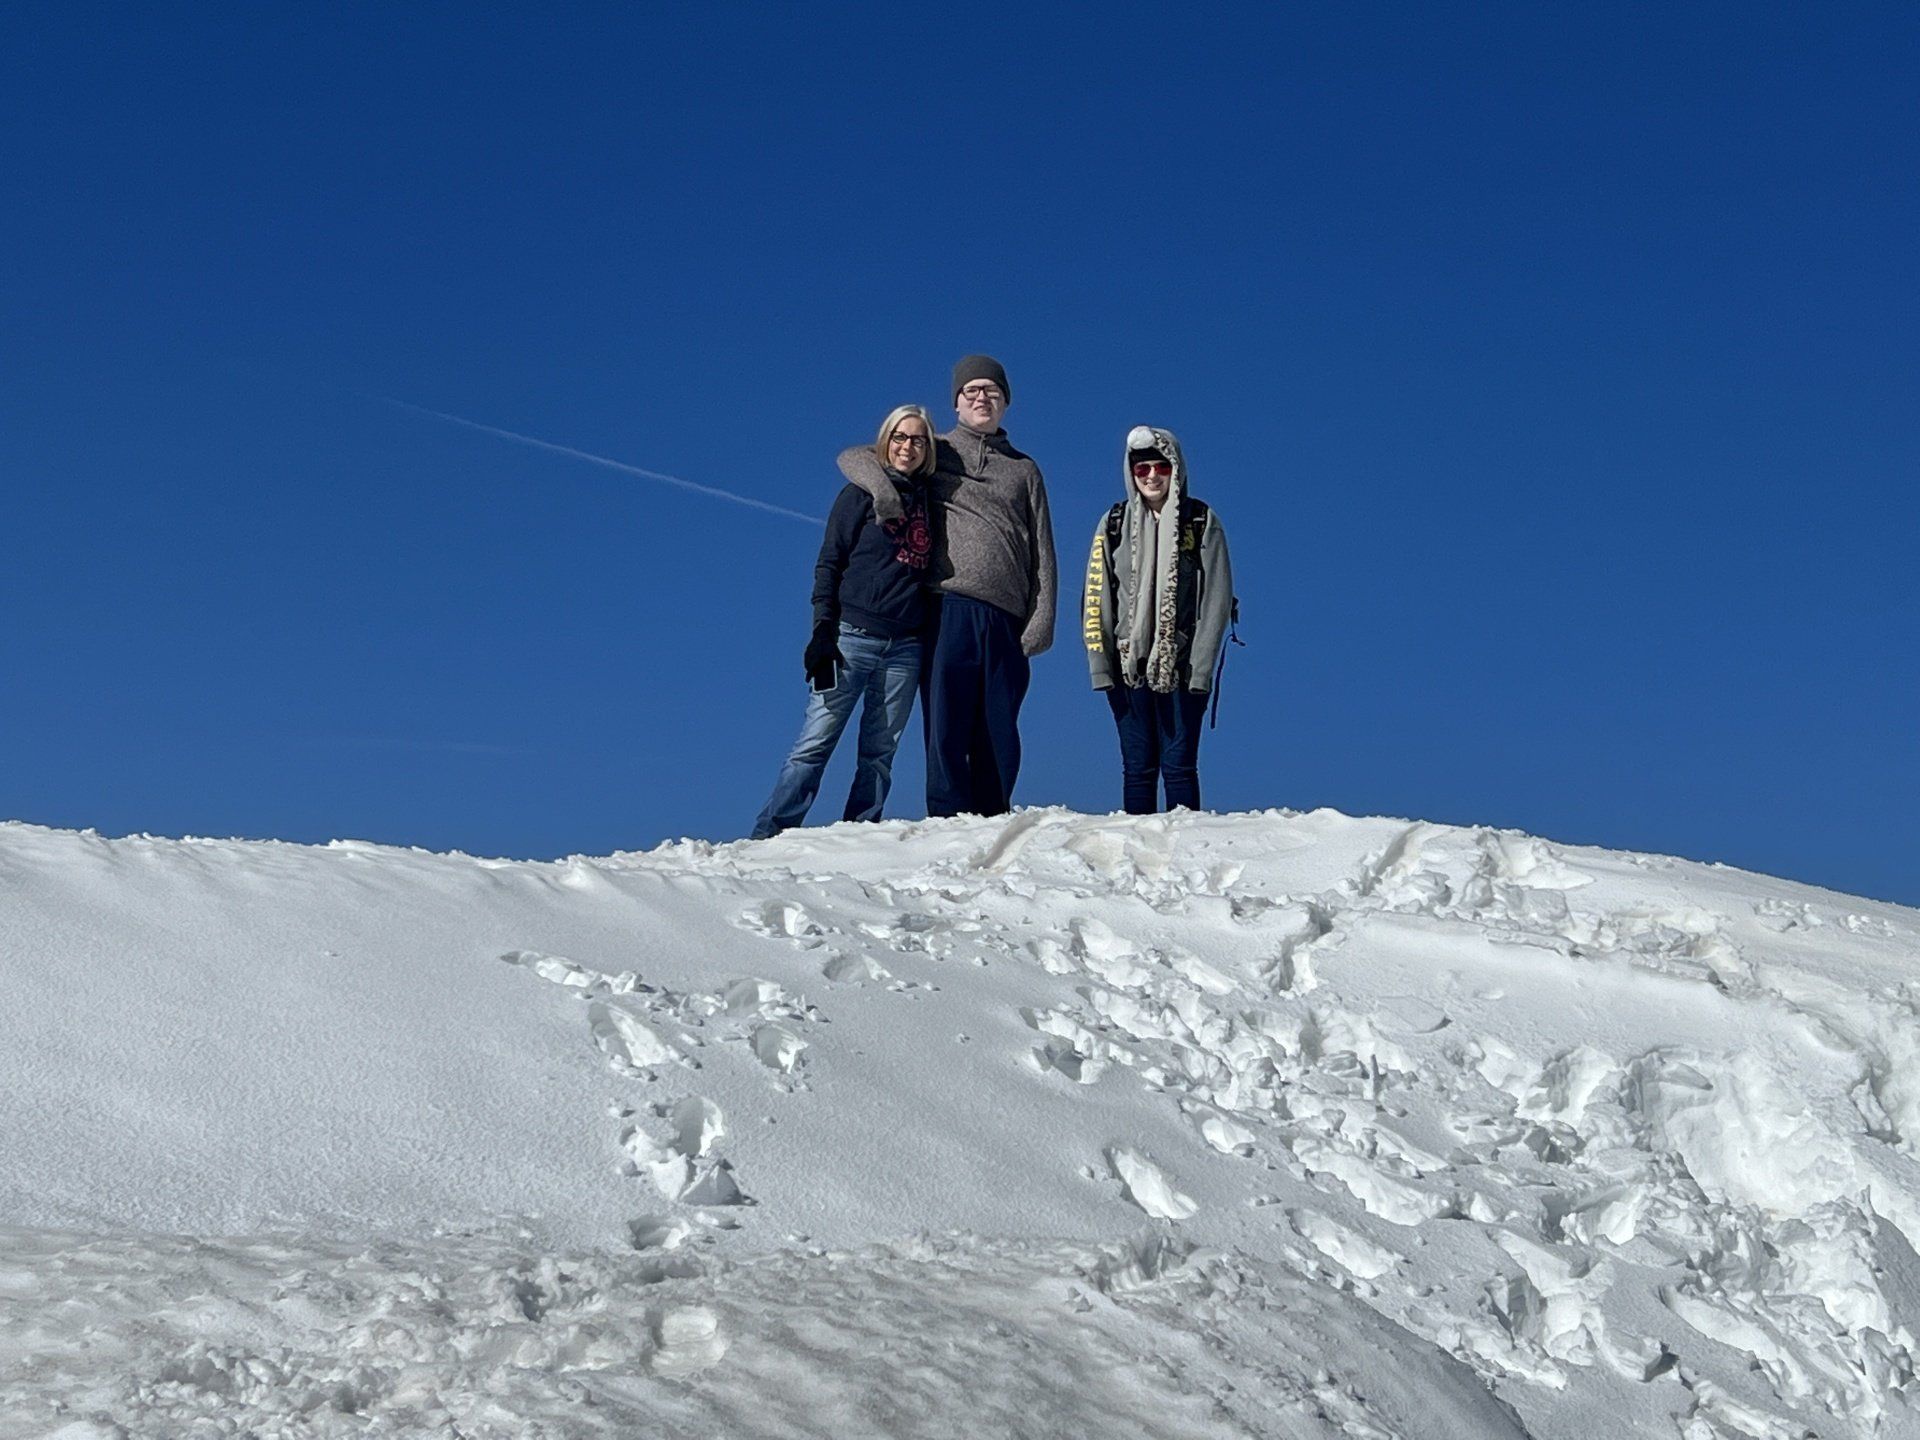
(892, 423)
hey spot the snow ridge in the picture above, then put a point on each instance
(1270, 1125)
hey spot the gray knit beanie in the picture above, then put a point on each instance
(980, 367)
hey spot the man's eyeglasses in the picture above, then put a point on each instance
(918, 442)
(1144, 468)
(982, 392)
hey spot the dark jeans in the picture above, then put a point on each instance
(1159, 741)
(976, 677)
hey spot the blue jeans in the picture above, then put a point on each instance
(886, 672)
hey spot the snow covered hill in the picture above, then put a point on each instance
(1051, 1125)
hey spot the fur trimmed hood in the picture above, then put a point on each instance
(1148, 642)
(1152, 437)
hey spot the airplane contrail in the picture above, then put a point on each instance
(601, 460)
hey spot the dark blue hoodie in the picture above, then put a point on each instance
(872, 571)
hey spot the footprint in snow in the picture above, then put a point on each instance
(855, 970)
(1062, 1055)
(631, 1045)
(658, 1232)
(697, 1124)
(783, 919)
(570, 974)
(756, 999)
(682, 1167)
(778, 1048)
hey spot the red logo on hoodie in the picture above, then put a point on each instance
(912, 538)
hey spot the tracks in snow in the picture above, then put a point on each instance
(647, 1033)
(1336, 1044)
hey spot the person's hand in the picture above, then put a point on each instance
(823, 658)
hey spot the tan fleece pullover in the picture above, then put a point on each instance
(993, 530)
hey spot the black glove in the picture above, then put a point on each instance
(823, 656)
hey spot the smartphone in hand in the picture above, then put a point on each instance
(818, 688)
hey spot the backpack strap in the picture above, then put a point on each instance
(1220, 664)
(1197, 514)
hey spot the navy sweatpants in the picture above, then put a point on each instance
(976, 677)
(1159, 741)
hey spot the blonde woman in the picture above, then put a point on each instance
(869, 604)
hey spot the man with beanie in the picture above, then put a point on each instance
(995, 570)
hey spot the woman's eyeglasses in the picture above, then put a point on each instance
(918, 442)
(1144, 468)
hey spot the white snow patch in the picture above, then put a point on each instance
(1266, 1124)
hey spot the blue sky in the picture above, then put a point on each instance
(1554, 370)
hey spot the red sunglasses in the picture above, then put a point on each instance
(1143, 468)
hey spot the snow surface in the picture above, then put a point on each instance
(1050, 1125)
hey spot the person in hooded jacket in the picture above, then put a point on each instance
(869, 609)
(1159, 601)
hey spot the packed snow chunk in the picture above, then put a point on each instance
(1566, 1084)
(778, 1048)
(714, 1185)
(1225, 1134)
(1387, 1196)
(552, 967)
(1332, 1032)
(1130, 856)
(781, 917)
(1198, 972)
(1533, 863)
(1005, 848)
(687, 1339)
(1054, 957)
(670, 1171)
(754, 997)
(1555, 1305)
(697, 1123)
(1064, 1057)
(1746, 1136)
(1154, 1260)
(1347, 1248)
(1112, 957)
(1148, 1186)
(628, 1042)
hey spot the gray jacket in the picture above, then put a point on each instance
(1202, 599)
(993, 530)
